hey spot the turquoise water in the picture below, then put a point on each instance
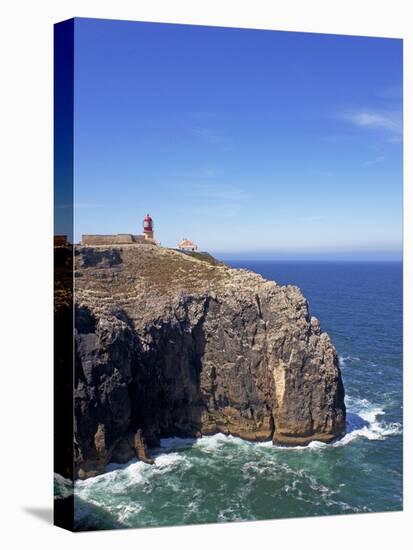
(222, 478)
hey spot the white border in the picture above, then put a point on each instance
(26, 267)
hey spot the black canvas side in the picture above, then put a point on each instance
(63, 273)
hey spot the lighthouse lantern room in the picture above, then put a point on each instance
(148, 227)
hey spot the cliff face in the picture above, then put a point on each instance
(173, 345)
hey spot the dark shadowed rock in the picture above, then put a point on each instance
(92, 257)
(170, 345)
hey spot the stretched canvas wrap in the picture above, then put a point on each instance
(228, 274)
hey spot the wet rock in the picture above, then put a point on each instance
(141, 449)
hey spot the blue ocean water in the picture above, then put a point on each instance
(222, 478)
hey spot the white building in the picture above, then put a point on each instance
(186, 244)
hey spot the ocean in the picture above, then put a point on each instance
(221, 478)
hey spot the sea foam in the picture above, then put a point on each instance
(345, 359)
(364, 420)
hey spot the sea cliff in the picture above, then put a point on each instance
(172, 344)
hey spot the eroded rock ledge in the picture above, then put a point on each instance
(173, 345)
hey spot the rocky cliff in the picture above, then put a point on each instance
(171, 344)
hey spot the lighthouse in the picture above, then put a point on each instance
(148, 227)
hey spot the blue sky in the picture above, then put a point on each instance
(252, 143)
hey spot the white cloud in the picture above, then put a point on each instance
(389, 121)
(376, 160)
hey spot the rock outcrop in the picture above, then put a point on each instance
(169, 344)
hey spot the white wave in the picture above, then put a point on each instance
(120, 478)
(313, 445)
(128, 511)
(122, 513)
(371, 415)
(264, 444)
(135, 473)
(168, 461)
(115, 481)
(364, 419)
(374, 431)
(211, 443)
(344, 359)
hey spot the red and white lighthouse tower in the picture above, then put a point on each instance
(148, 227)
